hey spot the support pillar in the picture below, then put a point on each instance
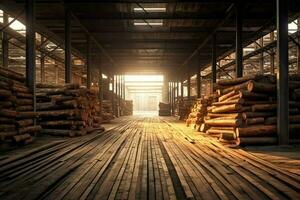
(169, 92)
(272, 55)
(100, 84)
(112, 93)
(173, 97)
(42, 60)
(30, 49)
(165, 89)
(199, 82)
(261, 59)
(5, 44)
(121, 82)
(177, 88)
(116, 95)
(88, 62)
(181, 88)
(214, 62)
(68, 61)
(282, 74)
(124, 90)
(188, 85)
(298, 49)
(239, 42)
(119, 97)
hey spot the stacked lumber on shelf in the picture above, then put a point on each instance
(243, 106)
(199, 111)
(164, 109)
(107, 110)
(127, 107)
(66, 110)
(16, 109)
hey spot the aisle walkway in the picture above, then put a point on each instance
(143, 158)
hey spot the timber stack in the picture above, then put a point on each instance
(199, 111)
(107, 110)
(183, 107)
(16, 109)
(244, 107)
(164, 109)
(66, 110)
(127, 107)
(294, 108)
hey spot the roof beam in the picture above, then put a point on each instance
(142, 16)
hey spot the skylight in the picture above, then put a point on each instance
(139, 9)
(148, 23)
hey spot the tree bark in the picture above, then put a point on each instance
(257, 131)
(261, 87)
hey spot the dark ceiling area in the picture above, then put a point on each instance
(159, 35)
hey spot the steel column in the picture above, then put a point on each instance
(124, 90)
(112, 93)
(88, 62)
(100, 84)
(282, 74)
(199, 82)
(42, 60)
(117, 97)
(188, 84)
(239, 42)
(272, 55)
(5, 44)
(119, 93)
(173, 96)
(214, 61)
(122, 86)
(68, 61)
(298, 48)
(181, 87)
(169, 92)
(261, 59)
(117, 85)
(177, 88)
(30, 49)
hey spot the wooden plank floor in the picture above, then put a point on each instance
(143, 158)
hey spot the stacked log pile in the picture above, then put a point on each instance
(164, 109)
(243, 109)
(107, 110)
(66, 110)
(294, 106)
(183, 108)
(16, 109)
(199, 111)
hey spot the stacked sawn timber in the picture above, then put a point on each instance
(107, 110)
(16, 108)
(127, 107)
(164, 109)
(67, 110)
(243, 107)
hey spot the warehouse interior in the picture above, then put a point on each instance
(150, 99)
